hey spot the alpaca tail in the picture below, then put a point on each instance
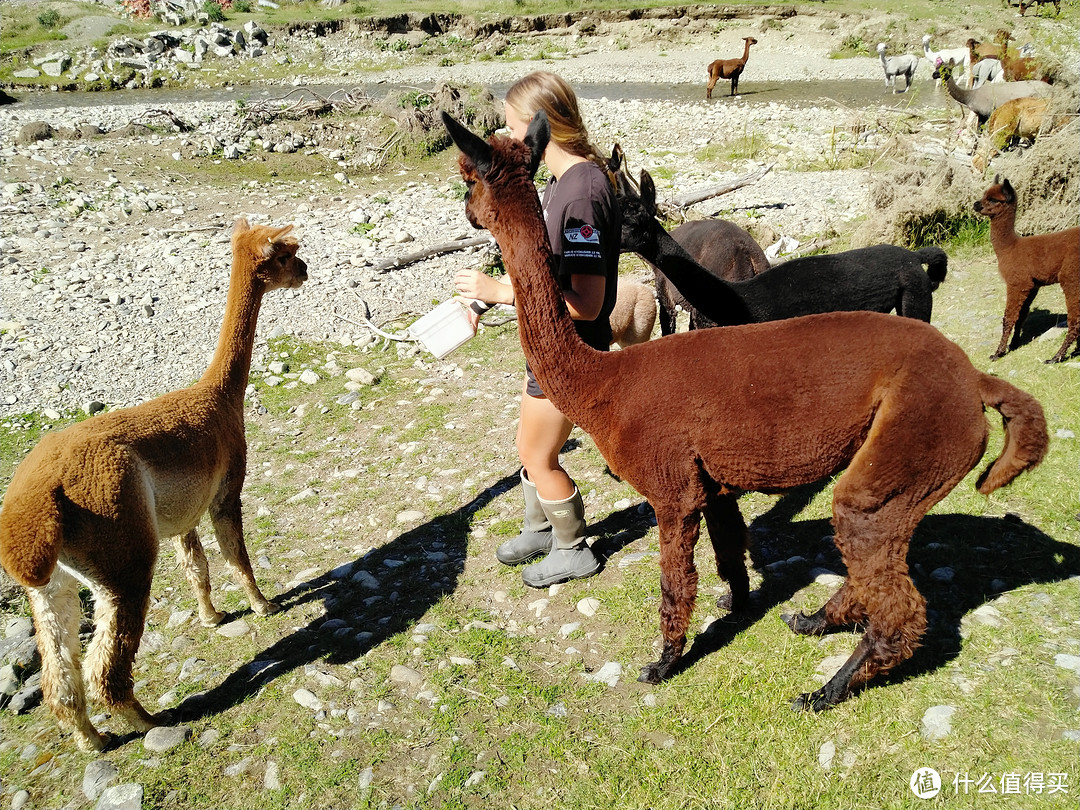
(31, 533)
(1026, 438)
(937, 264)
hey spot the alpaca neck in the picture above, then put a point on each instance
(746, 53)
(228, 371)
(725, 306)
(558, 356)
(954, 90)
(1003, 229)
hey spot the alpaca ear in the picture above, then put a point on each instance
(471, 145)
(536, 138)
(240, 226)
(616, 160)
(648, 193)
(277, 235)
(1008, 190)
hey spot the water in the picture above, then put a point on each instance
(854, 93)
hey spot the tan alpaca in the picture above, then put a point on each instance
(90, 503)
(634, 315)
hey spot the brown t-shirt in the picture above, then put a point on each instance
(584, 224)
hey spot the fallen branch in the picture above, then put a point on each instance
(387, 265)
(404, 336)
(682, 201)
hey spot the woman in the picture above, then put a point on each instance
(583, 226)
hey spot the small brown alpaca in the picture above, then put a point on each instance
(634, 315)
(1027, 263)
(729, 69)
(89, 504)
(767, 406)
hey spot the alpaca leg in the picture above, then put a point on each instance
(1017, 302)
(1071, 288)
(119, 619)
(916, 302)
(197, 573)
(667, 319)
(1021, 318)
(842, 610)
(229, 527)
(727, 531)
(678, 586)
(57, 617)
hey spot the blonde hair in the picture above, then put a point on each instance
(549, 92)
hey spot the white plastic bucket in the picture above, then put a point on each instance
(444, 328)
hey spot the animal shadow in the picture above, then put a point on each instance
(958, 562)
(1038, 323)
(366, 602)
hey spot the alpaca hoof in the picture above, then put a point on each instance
(731, 604)
(93, 741)
(812, 701)
(650, 673)
(212, 619)
(267, 608)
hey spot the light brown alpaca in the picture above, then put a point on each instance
(89, 504)
(1027, 263)
(766, 406)
(729, 69)
(634, 315)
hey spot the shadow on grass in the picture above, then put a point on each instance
(958, 562)
(1037, 324)
(403, 580)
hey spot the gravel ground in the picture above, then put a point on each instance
(113, 268)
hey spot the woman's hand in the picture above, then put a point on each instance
(481, 286)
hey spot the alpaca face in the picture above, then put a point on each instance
(998, 198)
(478, 158)
(283, 269)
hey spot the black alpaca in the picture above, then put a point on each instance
(881, 278)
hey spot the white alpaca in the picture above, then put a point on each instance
(961, 57)
(987, 70)
(902, 65)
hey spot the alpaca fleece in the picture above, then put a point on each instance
(889, 399)
(90, 502)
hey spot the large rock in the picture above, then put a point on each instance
(35, 131)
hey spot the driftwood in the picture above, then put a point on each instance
(152, 118)
(678, 203)
(312, 105)
(386, 265)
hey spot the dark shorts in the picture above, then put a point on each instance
(532, 387)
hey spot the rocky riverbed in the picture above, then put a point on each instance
(114, 262)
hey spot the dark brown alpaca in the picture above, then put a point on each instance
(1027, 263)
(761, 407)
(729, 69)
(90, 502)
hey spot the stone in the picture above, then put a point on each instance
(405, 675)
(937, 722)
(165, 738)
(128, 796)
(96, 777)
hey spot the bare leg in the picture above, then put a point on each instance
(727, 531)
(229, 528)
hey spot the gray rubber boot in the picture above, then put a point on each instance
(536, 538)
(571, 557)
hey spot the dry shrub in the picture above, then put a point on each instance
(914, 205)
(920, 205)
(421, 126)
